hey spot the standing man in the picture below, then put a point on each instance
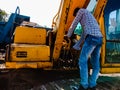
(91, 39)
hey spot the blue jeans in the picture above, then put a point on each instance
(91, 48)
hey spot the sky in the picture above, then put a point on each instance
(40, 11)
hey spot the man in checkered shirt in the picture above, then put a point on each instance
(91, 42)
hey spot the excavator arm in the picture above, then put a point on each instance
(64, 20)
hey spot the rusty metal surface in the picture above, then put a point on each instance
(34, 79)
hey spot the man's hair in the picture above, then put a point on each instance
(75, 11)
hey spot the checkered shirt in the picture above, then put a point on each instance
(88, 23)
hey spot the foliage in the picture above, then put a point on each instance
(3, 15)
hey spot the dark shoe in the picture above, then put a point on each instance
(81, 88)
(93, 88)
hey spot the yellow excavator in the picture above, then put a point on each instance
(33, 46)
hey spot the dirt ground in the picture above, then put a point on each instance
(36, 79)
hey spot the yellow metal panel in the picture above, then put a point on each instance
(23, 52)
(30, 35)
(11, 65)
(44, 64)
(26, 65)
(110, 70)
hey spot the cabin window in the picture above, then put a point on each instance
(112, 24)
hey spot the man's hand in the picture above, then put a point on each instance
(66, 38)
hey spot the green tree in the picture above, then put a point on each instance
(3, 15)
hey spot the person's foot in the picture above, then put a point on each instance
(93, 88)
(81, 88)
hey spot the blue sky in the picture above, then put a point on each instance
(40, 11)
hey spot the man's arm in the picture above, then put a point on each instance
(79, 43)
(74, 23)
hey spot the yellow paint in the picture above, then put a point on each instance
(11, 65)
(25, 52)
(110, 70)
(30, 35)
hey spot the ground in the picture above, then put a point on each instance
(36, 79)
